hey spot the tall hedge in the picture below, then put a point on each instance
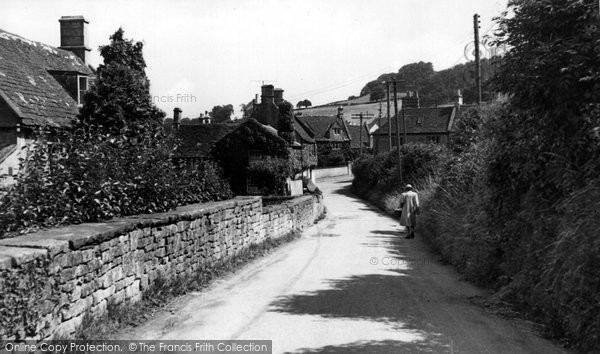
(89, 175)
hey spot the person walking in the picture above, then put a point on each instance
(409, 206)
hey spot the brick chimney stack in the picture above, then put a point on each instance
(176, 118)
(73, 36)
(268, 94)
(340, 113)
(278, 96)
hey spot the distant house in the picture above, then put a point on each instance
(241, 143)
(423, 125)
(41, 88)
(249, 144)
(352, 109)
(274, 111)
(330, 132)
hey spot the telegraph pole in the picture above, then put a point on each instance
(404, 123)
(387, 84)
(397, 128)
(360, 133)
(477, 59)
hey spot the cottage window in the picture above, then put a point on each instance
(255, 156)
(337, 131)
(251, 187)
(10, 171)
(82, 87)
(433, 139)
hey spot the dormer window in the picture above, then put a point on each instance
(73, 82)
(337, 131)
(82, 87)
(420, 120)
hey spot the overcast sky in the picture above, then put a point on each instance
(213, 52)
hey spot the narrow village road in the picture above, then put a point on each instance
(352, 283)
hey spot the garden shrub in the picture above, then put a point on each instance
(332, 159)
(270, 175)
(381, 171)
(89, 175)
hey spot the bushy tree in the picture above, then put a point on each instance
(438, 86)
(221, 114)
(375, 89)
(303, 103)
(285, 126)
(552, 74)
(120, 98)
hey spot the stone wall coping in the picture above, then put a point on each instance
(287, 204)
(81, 268)
(79, 236)
(16, 250)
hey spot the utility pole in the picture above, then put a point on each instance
(360, 133)
(397, 128)
(404, 123)
(477, 59)
(387, 84)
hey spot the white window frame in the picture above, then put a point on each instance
(79, 90)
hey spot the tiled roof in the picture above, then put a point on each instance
(320, 125)
(303, 132)
(422, 121)
(198, 140)
(355, 134)
(27, 86)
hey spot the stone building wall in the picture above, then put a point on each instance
(50, 279)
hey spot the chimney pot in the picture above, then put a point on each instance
(176, 118)
(73, 36)
(278, 96)
(268, 94)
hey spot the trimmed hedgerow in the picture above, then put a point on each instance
(380, 172)
(270, 175)
(89, 175)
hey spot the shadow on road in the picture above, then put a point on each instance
(346, 190)
(384, 346)
(387, 232)
(374, 297)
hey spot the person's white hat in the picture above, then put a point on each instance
(409, 186)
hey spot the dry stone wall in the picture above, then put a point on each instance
(50, 279)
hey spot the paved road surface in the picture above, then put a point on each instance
(352, 283)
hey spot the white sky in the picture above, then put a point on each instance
(321, 50)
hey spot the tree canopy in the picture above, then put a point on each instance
(221, 114)
(303, 103)
(552, 75)
(440, 86)
(120, 97)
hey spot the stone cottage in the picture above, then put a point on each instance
(41, 88)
